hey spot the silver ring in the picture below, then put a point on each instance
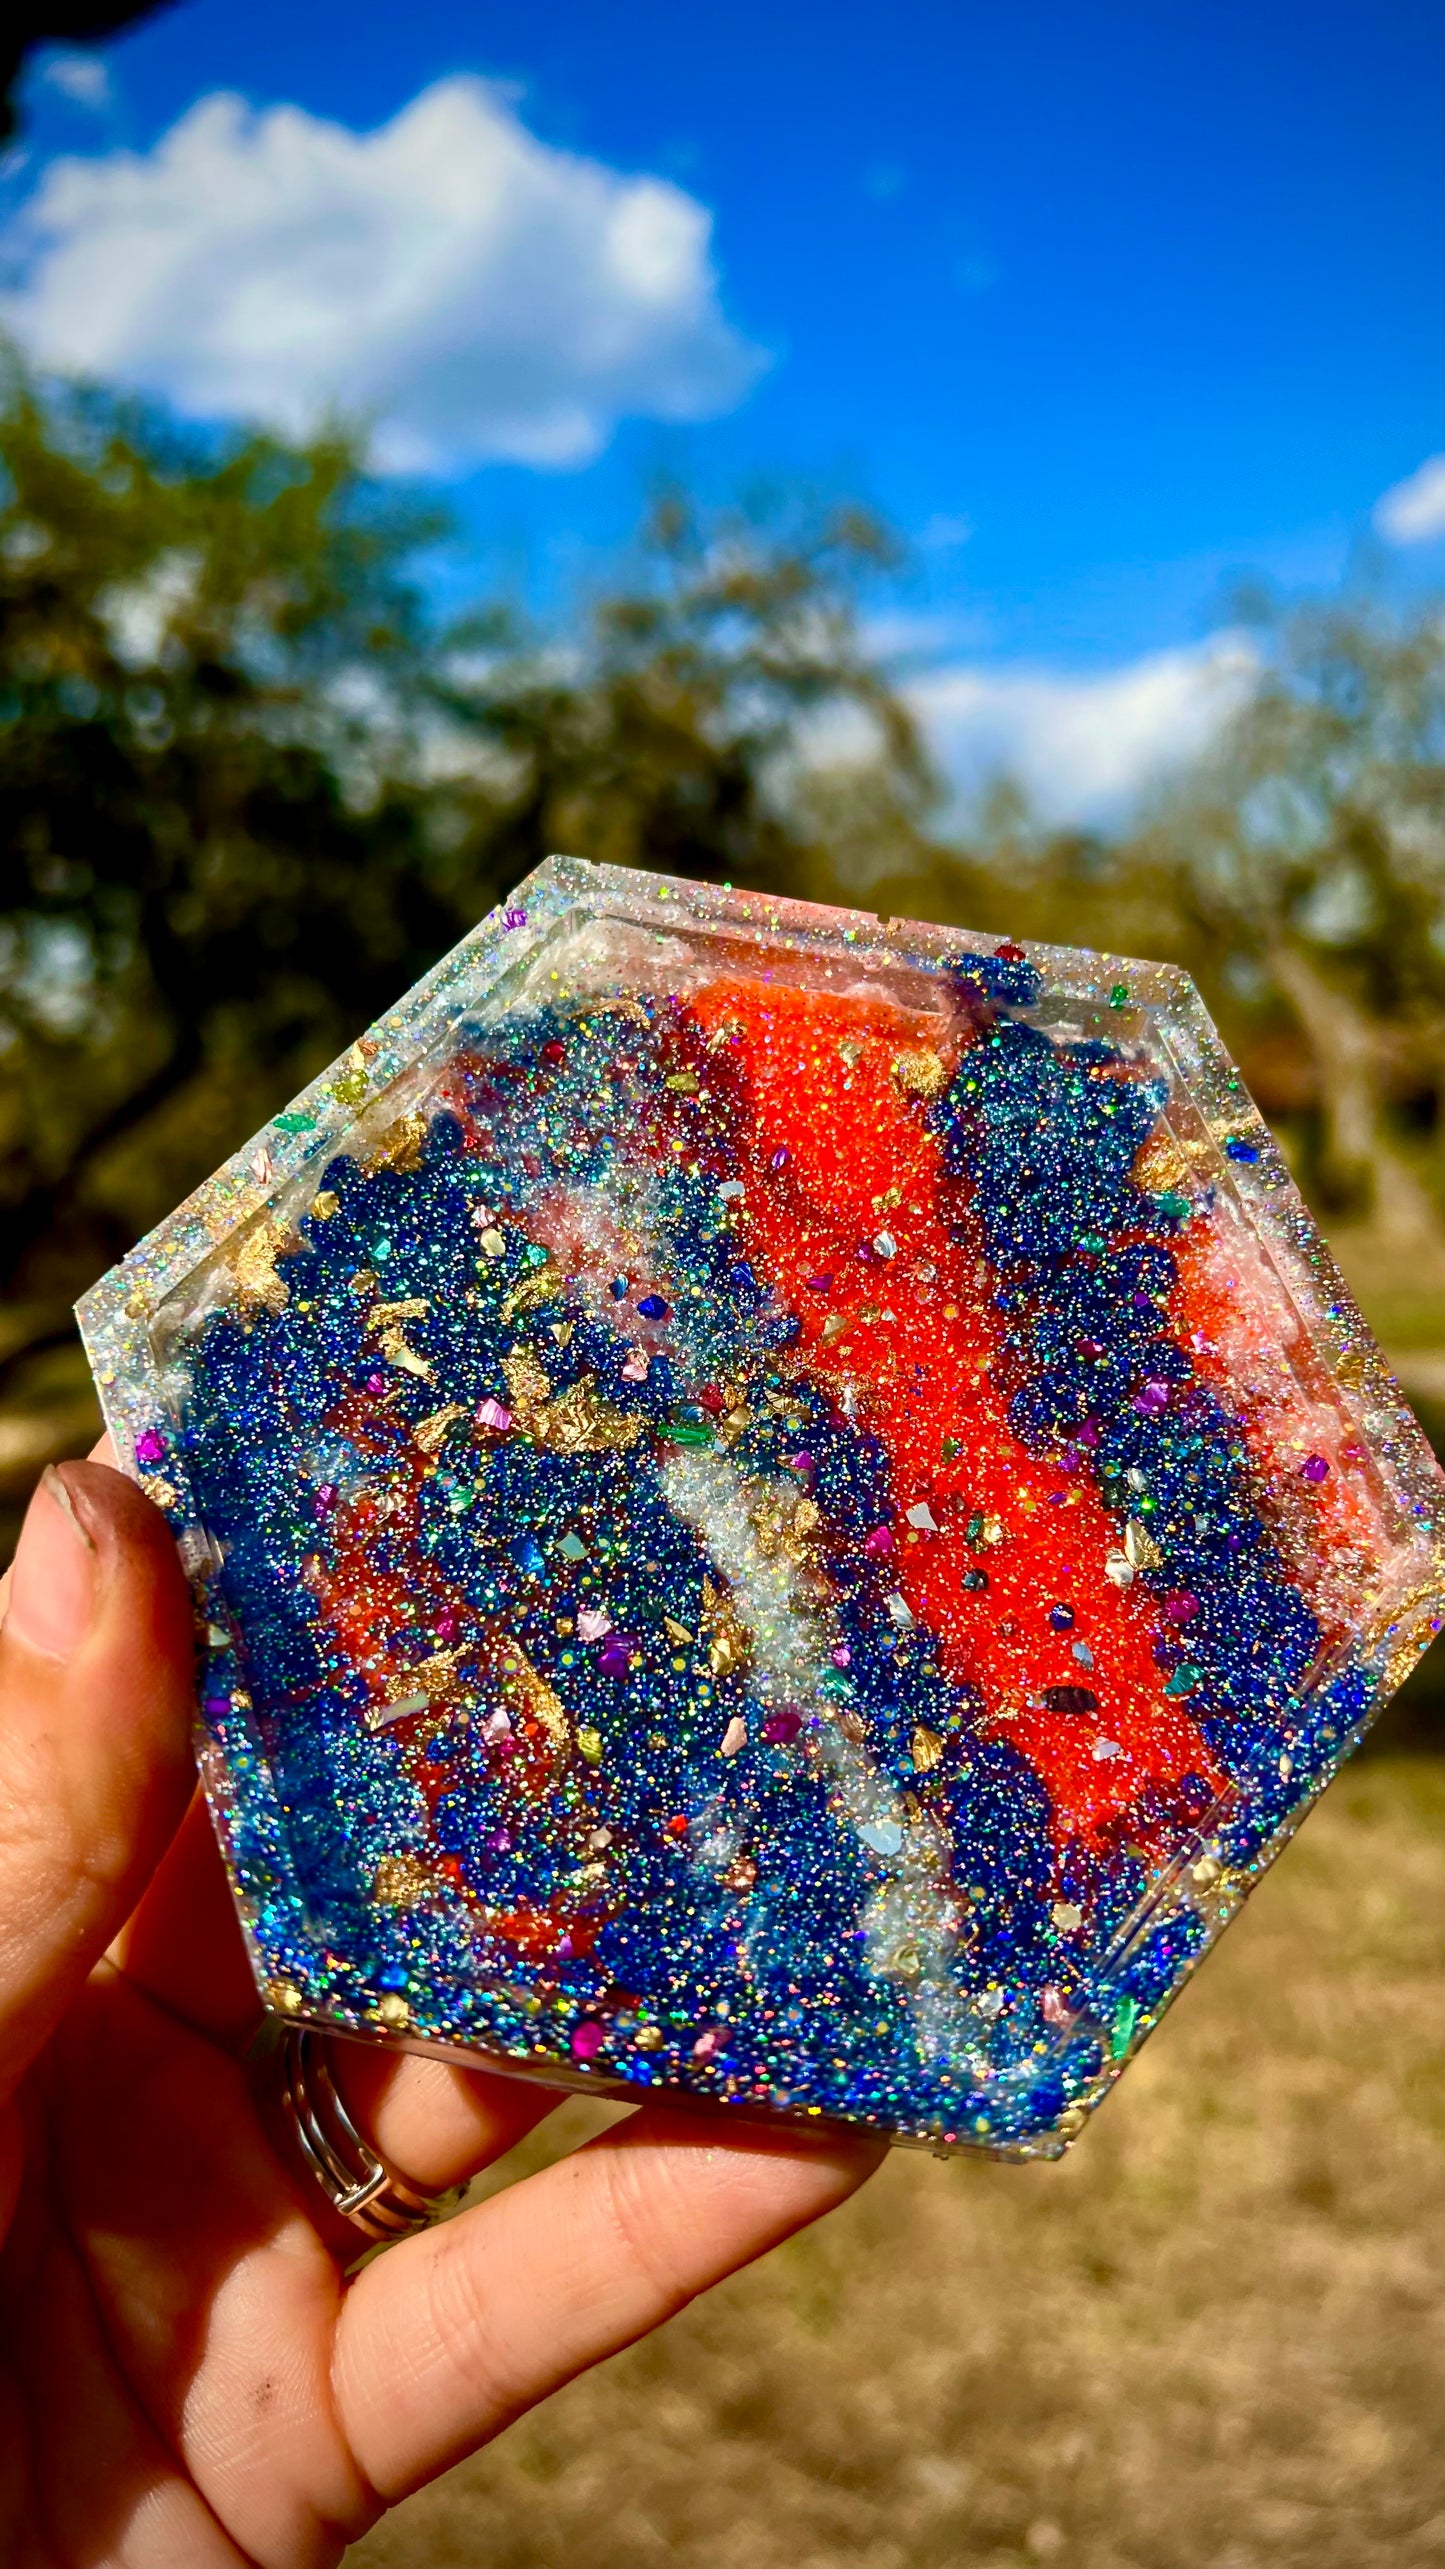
(354, 2177)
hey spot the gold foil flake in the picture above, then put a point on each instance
(925, 1748)
(431, 1433)
(404, 1882)
(161, 1492)
(675, 1631)
(253, 1265)
(920, 1074)
(589, 1746)
(685, 1082)
(396, 1350)
(527, 1692)
(393, 2012)
(428, 1679)
(284, 1996)
(386, 1320)
(529, 1387)
(765, 1508)
(577, 1421)
(729, 1642)
(580, 1421)
(1162, 1166)
(399, 1147)
(1140, 1549)
(325, 1204)
(543, 1285)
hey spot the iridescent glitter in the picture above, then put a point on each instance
(783, 1508)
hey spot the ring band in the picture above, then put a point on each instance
(354, 2177)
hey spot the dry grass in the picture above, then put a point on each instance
(1214, 2335)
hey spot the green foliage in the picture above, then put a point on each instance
(671, 732)
(207, 873)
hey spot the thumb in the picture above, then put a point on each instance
(95, 1765)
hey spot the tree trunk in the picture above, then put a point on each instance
(1360, 1166)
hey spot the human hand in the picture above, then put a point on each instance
(187, 2378)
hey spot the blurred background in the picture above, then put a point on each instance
(981, 466)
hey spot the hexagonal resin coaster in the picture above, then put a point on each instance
(783, 1508)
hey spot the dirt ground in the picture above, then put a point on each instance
(1214, 2335)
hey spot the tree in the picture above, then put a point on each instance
(205, 874)
(695, 717)
(1305, 860)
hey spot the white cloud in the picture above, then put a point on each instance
(474, 292)
(1414, 511)
(1085, 748)
(82, 78)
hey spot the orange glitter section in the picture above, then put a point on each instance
(832, 1082)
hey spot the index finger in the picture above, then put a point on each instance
(447, 2338)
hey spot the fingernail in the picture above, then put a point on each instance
(52, 1578)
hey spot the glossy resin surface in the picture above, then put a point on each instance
(782, 1507)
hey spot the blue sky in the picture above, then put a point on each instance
(1099, 307)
